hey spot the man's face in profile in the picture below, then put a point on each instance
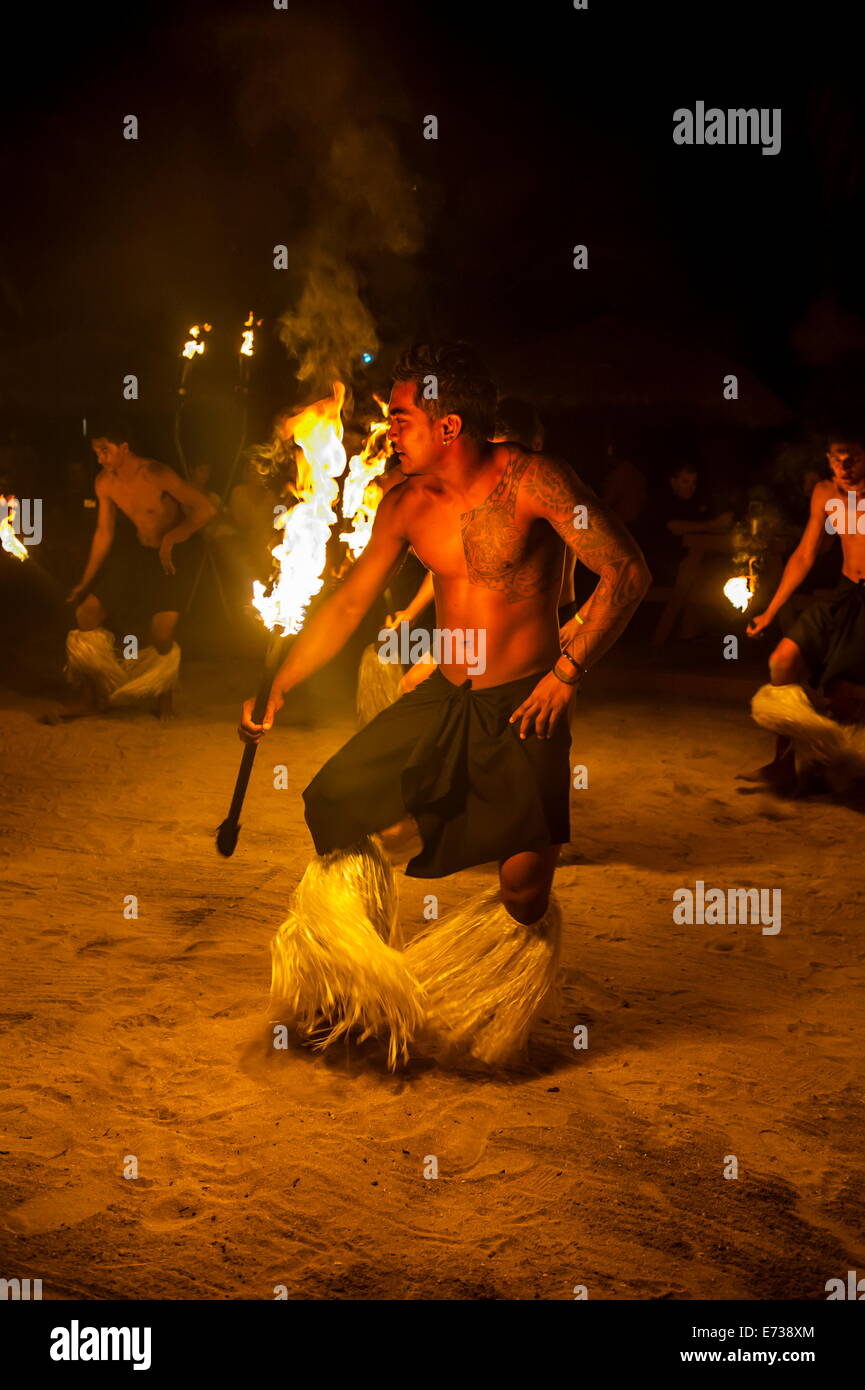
(414, 437)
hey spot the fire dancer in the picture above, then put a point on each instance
(147, 568)
(517, 422)
(823, 654)
(461, 770)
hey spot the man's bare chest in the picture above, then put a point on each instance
(142, 502)
(491, 545)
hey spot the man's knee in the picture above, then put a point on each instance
(525, 904)
(525, 882)
(402, 841)
(162, 628)
(89, 614)
(786, 666)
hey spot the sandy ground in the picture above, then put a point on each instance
(601, 1167)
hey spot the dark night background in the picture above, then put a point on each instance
(305, 127)
(270, 1172)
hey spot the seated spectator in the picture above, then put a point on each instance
(681, 507)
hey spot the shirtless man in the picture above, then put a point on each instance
(825, 648)
(517, 422)
(158, 511)
(475, 768)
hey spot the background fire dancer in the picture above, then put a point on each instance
(824, 651)
(140, 565)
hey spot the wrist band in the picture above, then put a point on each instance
(573, 660)
(564, 679)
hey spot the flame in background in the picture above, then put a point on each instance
(247, 338)
(301, 553)
(194, 344)
(740, 591)
(8, 539)
(361, 494)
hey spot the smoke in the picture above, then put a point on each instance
(357, 203)
(330, 326)
(365, 179)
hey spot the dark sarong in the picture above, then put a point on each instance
(447, 755)
(831, 635)
(133, 585)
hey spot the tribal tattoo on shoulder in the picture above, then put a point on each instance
(600, 542)
(495, 546)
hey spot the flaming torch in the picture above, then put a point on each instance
(740, 589)
(361, 494)
(378, 683)
(8, 539)
(299, 560)
(245, 356)
(247, 346)
(750, 541)
(192, 349)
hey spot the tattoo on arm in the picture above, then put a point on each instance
(601, 543)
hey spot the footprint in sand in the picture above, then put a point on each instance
(51, 1210)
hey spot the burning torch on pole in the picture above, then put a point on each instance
(299, 559)
(245, 355)
(192, 349)
(750, 543)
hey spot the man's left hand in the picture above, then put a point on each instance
(165, 556)
(549, 701)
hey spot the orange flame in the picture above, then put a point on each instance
(247, 337)
(301, 554)
(8, 539)
(361, 494)
(740, 591)
(194, 344)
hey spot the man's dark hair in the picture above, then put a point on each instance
(464, 386)
(518, 420)
(112, 426)
(845, 432)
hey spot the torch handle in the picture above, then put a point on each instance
(250, 750)
(226, 838)
(260, 707)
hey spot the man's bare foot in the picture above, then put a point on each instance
(759, 774)
(87, 702)
(780, 775)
